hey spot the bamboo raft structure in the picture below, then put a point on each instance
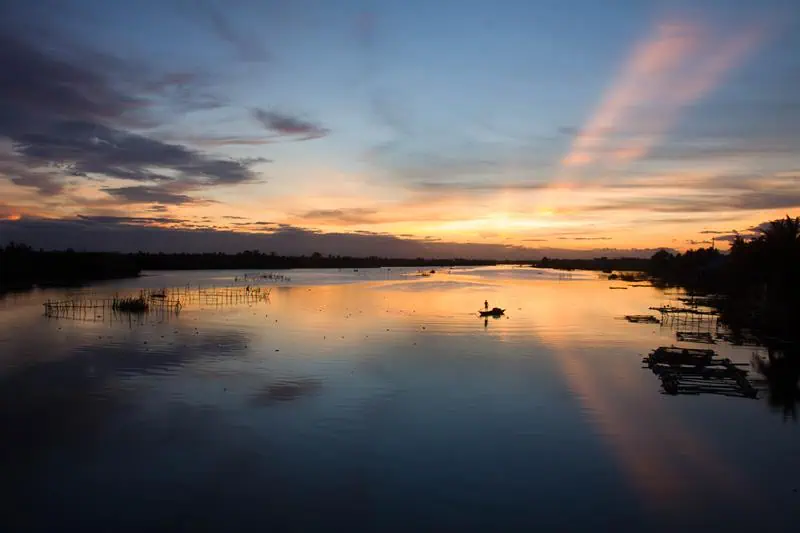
(701, 301)
(703, 337)
(698, 371)
(670, 309)
(642, 319)
(162, 301)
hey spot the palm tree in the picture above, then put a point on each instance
(781, 245)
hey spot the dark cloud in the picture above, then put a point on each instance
(289, 126)
(282, 238)
(109, 219)
(91, 148)
(46, 184)
(70, 113)
(713, 232)
(143, 194)
(234, 217)
(732, 237)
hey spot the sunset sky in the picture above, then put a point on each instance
(453, 127)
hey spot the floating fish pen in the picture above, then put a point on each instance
(642, 319)
(672, 310)
(162, 301)
(702, 301)
(698, 371)
(687, 319)
(704, 337)
(619, 288)
(679, 356)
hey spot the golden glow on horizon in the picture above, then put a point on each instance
(588, 202)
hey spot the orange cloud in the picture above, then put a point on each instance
(679, 63)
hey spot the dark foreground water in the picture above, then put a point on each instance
(374, 401)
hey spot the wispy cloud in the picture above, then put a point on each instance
(676, 65)
(353, 215)
(249, 45)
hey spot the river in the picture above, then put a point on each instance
(376, 400)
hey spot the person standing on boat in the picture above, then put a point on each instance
(486, 304)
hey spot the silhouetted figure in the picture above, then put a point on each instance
(486, 304)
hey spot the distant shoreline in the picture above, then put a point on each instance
(23, 268)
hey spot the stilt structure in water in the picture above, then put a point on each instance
(162, 302)
(642, 319)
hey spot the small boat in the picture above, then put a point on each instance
(495, 311)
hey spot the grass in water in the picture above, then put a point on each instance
(130, 304)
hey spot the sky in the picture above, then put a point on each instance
(476, 128)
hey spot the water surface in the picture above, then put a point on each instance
(376, 400)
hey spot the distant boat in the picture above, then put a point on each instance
(495, 311)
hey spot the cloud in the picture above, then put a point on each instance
(479, 186)
(143, 194)
(45, 181)
(353, 215)
(108, 219)
(93, 148)
(704, 202)
(732, 237)
(679, 63)
(289, 126)
(126, 235)
(71, 113)
(216, 141)
(584, 238)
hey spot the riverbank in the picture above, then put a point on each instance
(23, 268)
